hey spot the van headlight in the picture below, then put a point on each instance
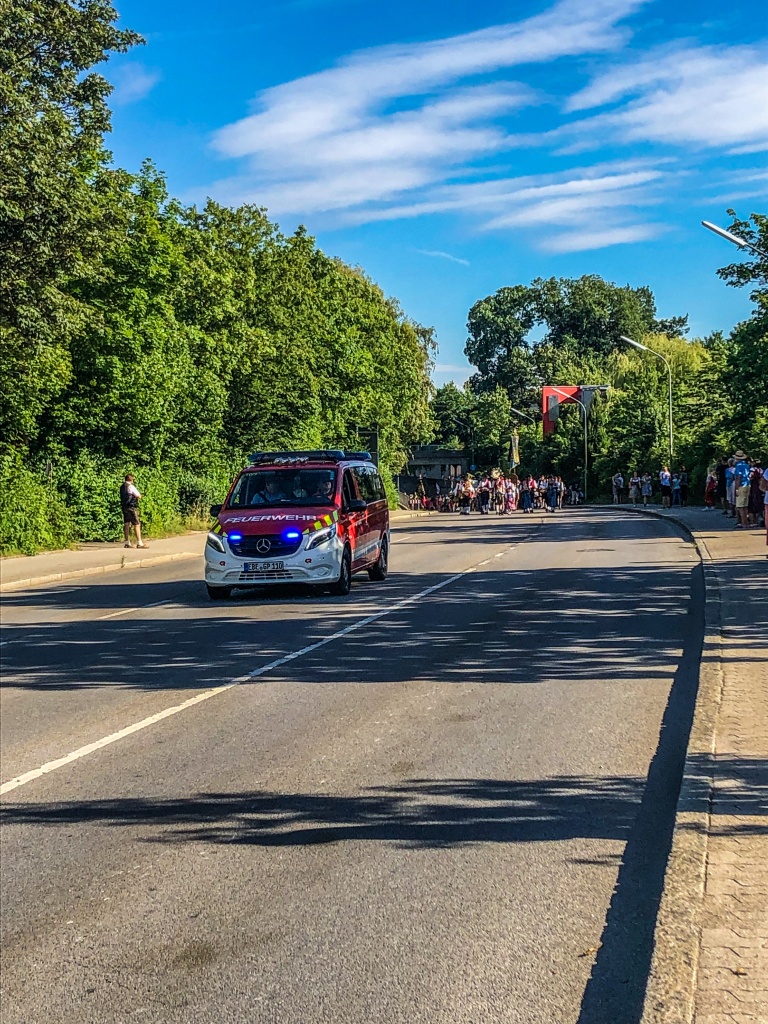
(215, 541)
(321, 537)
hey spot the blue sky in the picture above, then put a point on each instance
(453, 148)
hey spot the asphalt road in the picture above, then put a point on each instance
(455, 811)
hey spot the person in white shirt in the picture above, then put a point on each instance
(129, 503)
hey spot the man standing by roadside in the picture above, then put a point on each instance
(617, 485)
(741, 474)
(665, 480)
(129, 503)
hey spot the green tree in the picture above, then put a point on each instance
(746, 371)
(53, 114)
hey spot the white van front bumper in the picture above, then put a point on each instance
(318, 565)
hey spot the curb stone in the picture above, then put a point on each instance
(76, 574)
(671, 989)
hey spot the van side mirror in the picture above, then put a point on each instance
(357, 505)
(215, 509)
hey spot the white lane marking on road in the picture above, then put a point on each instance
(145, 723)
(127, 611)
(22, 639)
(89, 748)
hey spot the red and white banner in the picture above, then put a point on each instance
(551, 400)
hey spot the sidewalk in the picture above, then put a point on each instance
(22, 571)
(89, 559)
(711, 959)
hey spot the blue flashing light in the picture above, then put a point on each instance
(234, 537)
(292, 535)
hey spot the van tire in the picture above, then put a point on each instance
(343, 585)
(218, 593)
(378, 571)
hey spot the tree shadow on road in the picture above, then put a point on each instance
(416, 814)
(503, 626)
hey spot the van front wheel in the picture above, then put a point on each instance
(378, 571)
(344, 583)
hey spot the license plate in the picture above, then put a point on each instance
(263, 566)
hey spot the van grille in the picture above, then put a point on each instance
(278, 546)
(260, 577)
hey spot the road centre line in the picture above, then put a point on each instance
(145, 723)
(127, 611)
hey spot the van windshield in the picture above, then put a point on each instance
(300, 487)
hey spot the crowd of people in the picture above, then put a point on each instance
(737, 485)
(734, 485)
(498, 494)
(639, 488)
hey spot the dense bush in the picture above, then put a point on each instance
(79, 501)
(33, 513)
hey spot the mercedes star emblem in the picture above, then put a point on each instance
(263, 545)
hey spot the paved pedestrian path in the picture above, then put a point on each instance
(731, 983)
(22, 571)
(91, 559)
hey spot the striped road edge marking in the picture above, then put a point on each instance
(145, 723)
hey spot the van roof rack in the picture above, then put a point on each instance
(318, 455)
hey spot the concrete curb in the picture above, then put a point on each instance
(671, 990)
(76, 574)
(407, 513)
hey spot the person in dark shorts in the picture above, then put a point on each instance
(129, 503)
(722, 490)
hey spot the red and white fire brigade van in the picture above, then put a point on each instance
(312, 517)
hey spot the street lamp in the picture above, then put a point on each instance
(644, 348)
(586, 450)
(736, 239)
(517, 412)
(470, 431)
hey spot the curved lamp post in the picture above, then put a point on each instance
(471, 432)
(736, 239)
(572, 398)
(644, 348)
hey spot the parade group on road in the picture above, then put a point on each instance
(496, 493)
(738, 485)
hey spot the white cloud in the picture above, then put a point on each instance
(395, 119)
(408, 131)
(132, 82)
(443, 255)
(601, 238)
(701, 96)
(558, 209)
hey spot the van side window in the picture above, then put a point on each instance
(375, 485)
(365, 482)
(348, 487)
(381, 494)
